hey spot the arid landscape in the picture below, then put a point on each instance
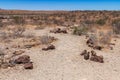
(59, 45)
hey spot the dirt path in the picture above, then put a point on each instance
(64, 63)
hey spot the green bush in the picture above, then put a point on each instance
(80, 30)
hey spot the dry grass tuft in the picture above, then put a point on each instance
(45, 39)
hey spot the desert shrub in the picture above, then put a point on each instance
(17, 32)
(1, 57)
(116, 30)
(1, 24)
(3, 35)
(101, 22)
(116, 26)
(101, 38)
(77, 31)
(94, 38)
(19, 20)
(28, 35)
(45, 39)
(105, 38)
(89, 22)
(80, 30)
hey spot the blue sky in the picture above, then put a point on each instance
(60, 4)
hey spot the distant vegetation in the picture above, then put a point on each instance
(61, 18)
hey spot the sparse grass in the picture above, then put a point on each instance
(1, 24)
(45, 39)
(1, 57)
(105, 38)
(94, 39)
(3, 35)
(28, 35)
(116, 26)
(19, 20)
(101, 38)
(18, 31)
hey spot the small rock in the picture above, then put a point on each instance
(100, 59)
(59, 30)
(11, 63)
(86, 56)
(4, 65)
(7, 48)
(84, 52)
(28, 46)
(50, 47)
(111, 48)
(97, 59)
(93, 53)
(89, 41)
(28, 65)
(45, 49)
(22, 59)
(98, 47)
(64, 31)
(18, 52)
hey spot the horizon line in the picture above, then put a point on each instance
(62, 9)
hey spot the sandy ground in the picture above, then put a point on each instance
(65, 63)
